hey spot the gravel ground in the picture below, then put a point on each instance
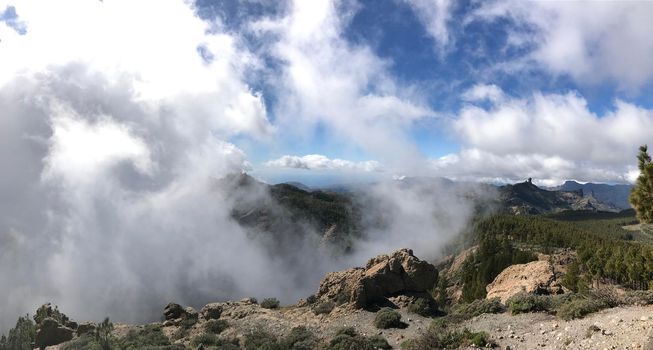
(616, 328)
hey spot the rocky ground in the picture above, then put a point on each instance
(244, 317)
(399, 279)
(616, 328)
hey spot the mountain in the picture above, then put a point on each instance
(616, 195)
(284, 214)
(526, 198)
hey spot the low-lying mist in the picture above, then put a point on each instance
(105, 219)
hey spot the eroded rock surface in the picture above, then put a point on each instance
(535, 277)
(383, 276)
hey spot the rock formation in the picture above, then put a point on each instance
(535, 277)
(51, 332)
(400, 273)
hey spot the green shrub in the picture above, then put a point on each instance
(579, 308)
(388, 318)
(150, 336)
(323, 307)
(448, 340)
(215, 326)
(525, 302)
(638, 297)
(423, 307)
(103, 334)
(270, 303)
(260, 339)
(205, 339)
(312, 299)
(478, 307)
(349, 339)
(378, 342)
(85, 342)
(299, 338)
(47, 310)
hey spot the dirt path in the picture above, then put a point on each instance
(617, 328)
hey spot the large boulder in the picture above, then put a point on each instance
(400, 273)
(211, 311)
(51, 332)
(173, 311)
(537, 277)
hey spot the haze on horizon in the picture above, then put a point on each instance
(116, 118)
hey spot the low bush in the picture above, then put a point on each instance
(21, 336)
(478, 307)
(580, 307)
(85, 342)
(299, 338)
(205, 339)
(349, 339)
(260, 339)
(566, 306)
(388, 318)
(433, 339)
(525, 302)
(423, 307)
(215, 326)
(323, 307)
(637, 297)
(149, 336)
(270, 303)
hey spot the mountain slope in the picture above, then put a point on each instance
(616, 195)
(526, 198)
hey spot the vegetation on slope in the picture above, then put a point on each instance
(605, 254)
(641, 196)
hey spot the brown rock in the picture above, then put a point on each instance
(51, 332)
(173, 311)
(536, 277)
(211, 311)
(384, 276)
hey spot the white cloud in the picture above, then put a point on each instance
(112, 129)
(434, 16)
(480, 92)
(329, 82)
(80, 151)
(320, 162)
(547, 136)
(591, 41)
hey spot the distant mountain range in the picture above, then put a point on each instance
(526, 198)
(616, 195)
(522, 197)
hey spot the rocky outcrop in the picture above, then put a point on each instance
(211, 311)
(174, 314)
(51, 332)
(536, 277)
(384, 276)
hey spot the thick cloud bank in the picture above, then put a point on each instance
(550, 137)
(115, 131)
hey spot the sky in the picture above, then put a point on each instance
(343, 91)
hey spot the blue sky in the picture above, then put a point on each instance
(480, 49)
(331, 91)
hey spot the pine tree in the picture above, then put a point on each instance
(641, 196)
